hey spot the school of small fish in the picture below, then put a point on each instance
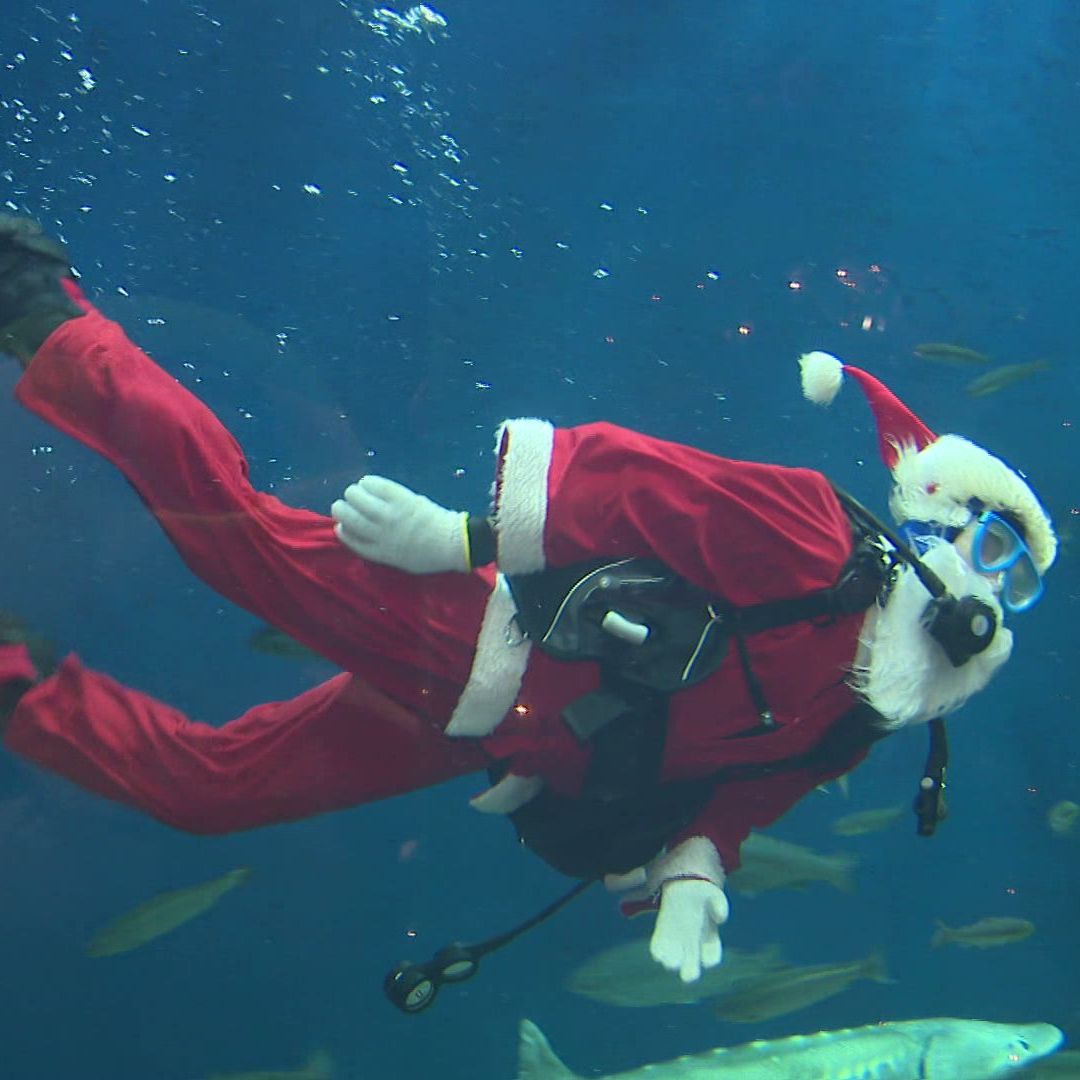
(753, 988)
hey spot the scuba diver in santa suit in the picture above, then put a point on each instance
(651, 649)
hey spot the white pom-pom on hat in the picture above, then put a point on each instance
(822, 376)
(898, 427)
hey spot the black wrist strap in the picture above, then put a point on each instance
(482, 546)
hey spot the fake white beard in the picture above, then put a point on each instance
(901, 671)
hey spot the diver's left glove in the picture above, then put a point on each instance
(32, 301)
(387, 523)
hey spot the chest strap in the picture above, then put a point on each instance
(653, 634)
(655, 629)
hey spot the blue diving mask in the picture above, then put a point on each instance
(997, 548)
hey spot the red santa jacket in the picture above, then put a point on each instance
(747, 532)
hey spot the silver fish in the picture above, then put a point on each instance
(788, 989)
(867, 821)
(628, 976)
(950, 354)
(998, 378)
(161, 914)
(985, 933)
(943, 1048)
(769, 863)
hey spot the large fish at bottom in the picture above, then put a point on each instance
(939, 1049)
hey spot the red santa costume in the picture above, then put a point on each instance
(435, 685)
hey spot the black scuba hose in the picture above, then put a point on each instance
(932, 583)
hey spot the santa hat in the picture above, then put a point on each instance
(934, 477)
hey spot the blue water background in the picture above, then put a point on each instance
(705, 156)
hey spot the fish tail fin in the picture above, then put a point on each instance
(942, 935)
(536, 1059)
(320, 1066)
(842, 875)
(876, 967)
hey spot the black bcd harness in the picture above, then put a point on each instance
(654, 634)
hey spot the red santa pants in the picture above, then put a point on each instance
(358, 737)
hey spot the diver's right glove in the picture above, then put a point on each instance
(685, 938)
(685, 886)
(387, 523)
(32, 301)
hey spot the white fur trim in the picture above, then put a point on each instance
(521, 494)
(634, 879)
(900, 670)
(695, 857)
(509, 794)
(937, 482)
(497, 670)
(821, 375)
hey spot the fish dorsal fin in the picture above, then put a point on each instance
(536, 1059)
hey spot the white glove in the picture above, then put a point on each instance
(685, 938)
(686, 884)
(387, 523)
